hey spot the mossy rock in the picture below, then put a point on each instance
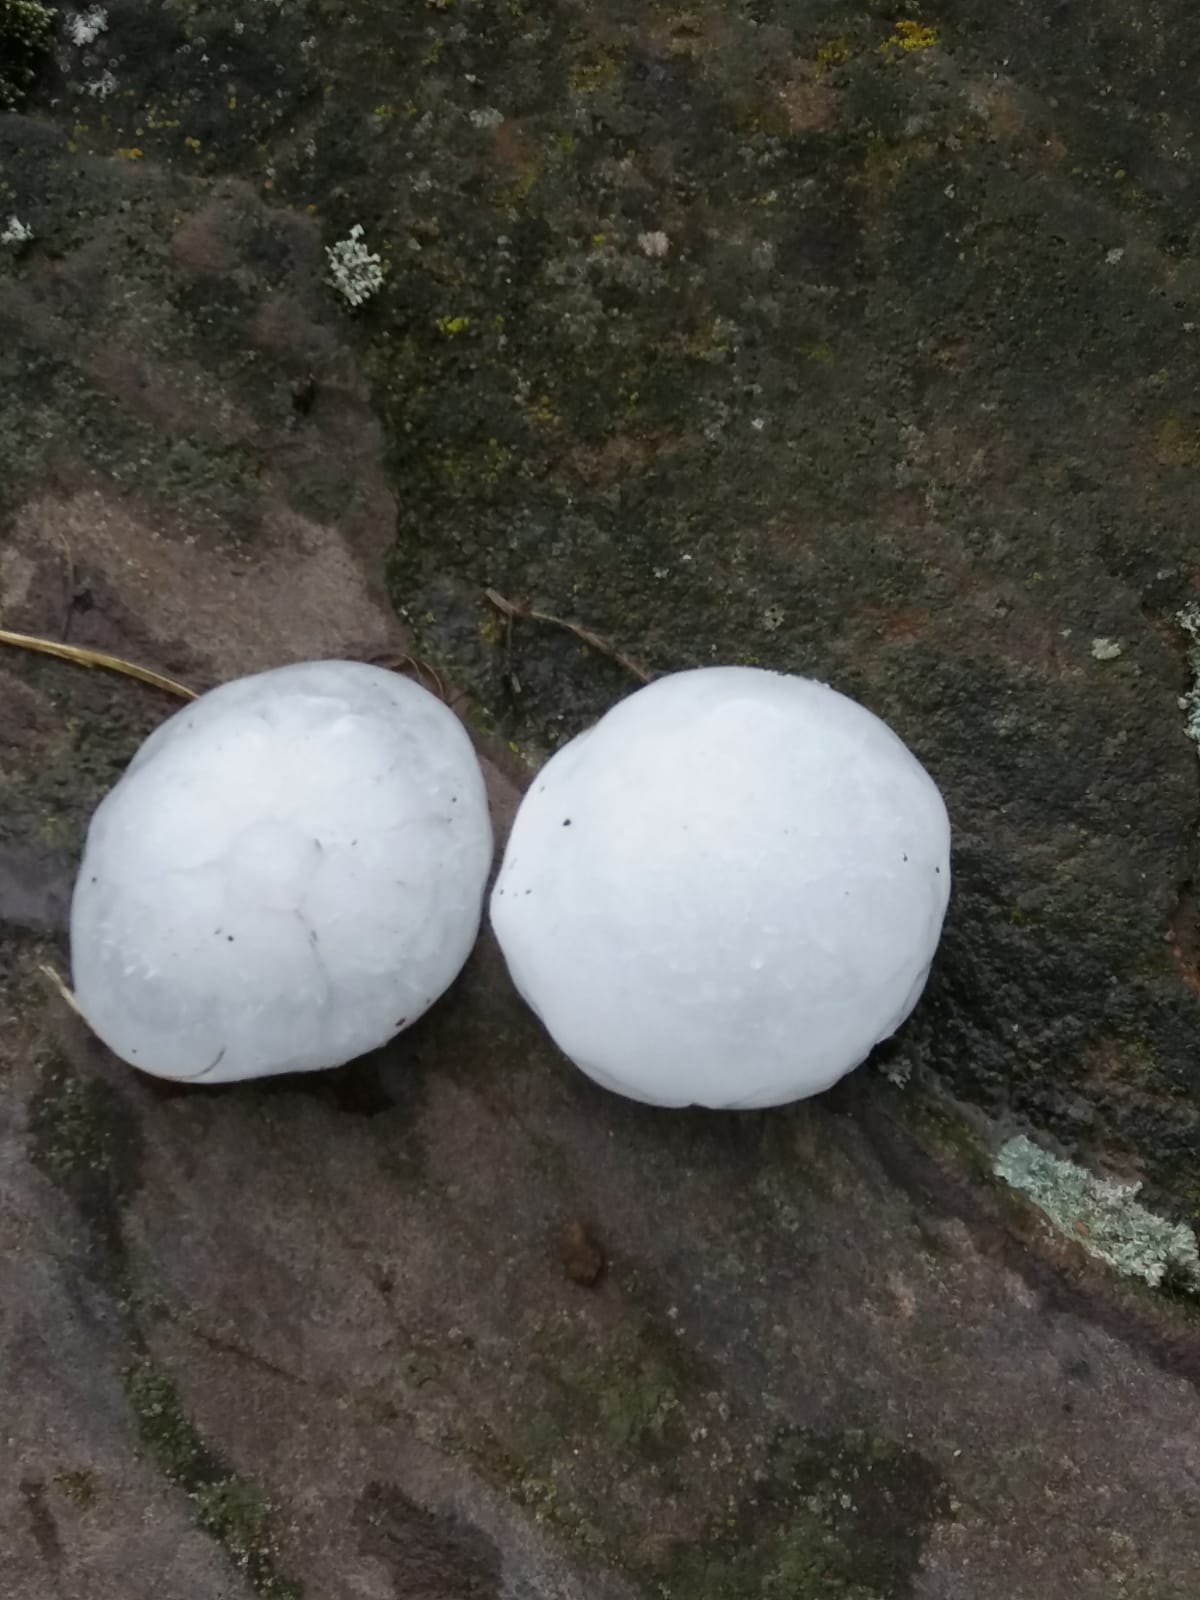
(25, 29)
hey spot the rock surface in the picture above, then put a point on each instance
(851, 345)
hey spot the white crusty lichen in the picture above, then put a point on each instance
(1101, 1214)
(354, 271)
(897, 1071)
(1189, 620)
(15, 232)
(1106, 649)
(85, 27)
(101, 88)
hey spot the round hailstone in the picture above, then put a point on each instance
(290, 871)
(727, 891)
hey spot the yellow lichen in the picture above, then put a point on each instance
(451, 326)
(909, 36)
(1176, 445)
(708, 344)
(512, 195)
(482, 467)
(831, 53)
(588, 76)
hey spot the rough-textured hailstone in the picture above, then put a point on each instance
(727, 891)
(290, 871)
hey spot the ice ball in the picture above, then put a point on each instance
(290, 871)
(727, 891)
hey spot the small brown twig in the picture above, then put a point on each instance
(411, 667)
(96, 658)
(510, 609)
(60, 986)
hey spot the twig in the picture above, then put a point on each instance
(510, 609)
(96, 658)
(410, 666)
(65, 993)
(195, 1077)
(59, 984)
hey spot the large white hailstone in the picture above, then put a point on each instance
(290, 871)
(727, 891)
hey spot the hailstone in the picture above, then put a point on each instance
(727, 891)
(289, 872)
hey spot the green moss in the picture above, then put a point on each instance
(1176, 443)
(85, 1137)
(227, 1506)
(841, 1517)
(550, 1158)
(24, 420)
(511, 196)
(631, 1396)
(75, 1127)
(595, 1402)
(838, 1518)
(483, 468)
(798, 1560)
(950, 1136)
(623, 1393)
(79, 1485)
(25, 29)
(588, 77)
(194, 467)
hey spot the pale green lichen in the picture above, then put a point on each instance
(15, 232)
(897, 1071)
(1106, 649)
(354, 271)
(85, 27)
(1102, 1214)
(1189, 620)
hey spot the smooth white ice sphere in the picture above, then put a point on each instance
(289, 872)
(727, 891)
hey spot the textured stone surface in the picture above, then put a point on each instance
(785, 334)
